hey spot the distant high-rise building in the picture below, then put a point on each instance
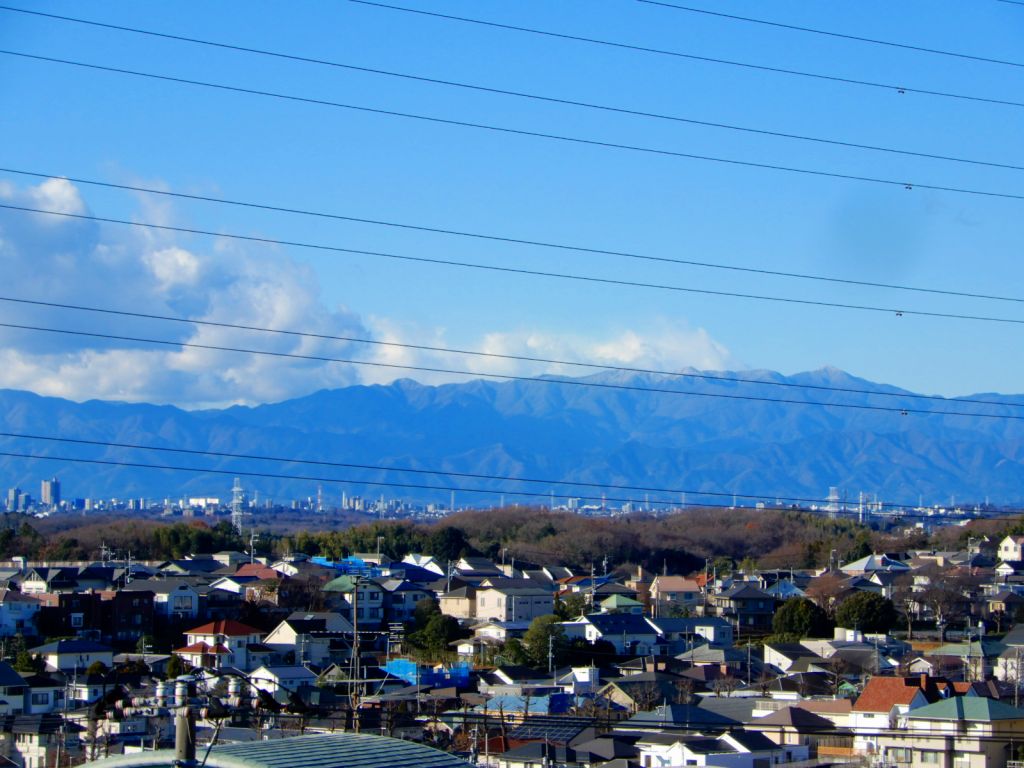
(12, 499)
(237, 505)
(50, 493)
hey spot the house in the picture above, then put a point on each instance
(871, 563)
(882, 702)
(513, 603)
(1011, 549)
(732, 749)
(628, 633)
(783, 656)
(73, 655)
(682, 634)
(224, 643)
(44, 580)
(400, 598)
(644, 690)
(37, 741)
(12, 690)
(281, 681)
(747, 606)
(45, 694)
(109, 615)
(426, 562)
(17, 613)
(174, 599)
(459, 603)
(316, 638)
(796, 726)
(674, 593)
(958, 732)
(360, 600)
(621, 604)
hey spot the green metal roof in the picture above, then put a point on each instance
(973, 708)
(340, 584)
(333, 750)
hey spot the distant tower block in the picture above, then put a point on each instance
(320, 499)
(237, 505)
(833, 500)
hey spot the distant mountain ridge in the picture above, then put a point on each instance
(615, 433)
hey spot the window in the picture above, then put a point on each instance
(898, 754)
(39, 699)
(929, 757)
(76, 620)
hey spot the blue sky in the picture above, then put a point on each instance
(73, 122)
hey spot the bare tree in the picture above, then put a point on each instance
(684, 691)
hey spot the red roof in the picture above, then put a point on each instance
(228, 627)
(259, 571)
(881, 694)
(203, 648)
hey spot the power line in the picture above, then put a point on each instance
(901, 89)
(504, 376)
(828, 33)
(676, 504)
(521, 132)
(447, 473)
(500, 356)
(513, 93)
(510, 240)
(898, 312)
(346, 481)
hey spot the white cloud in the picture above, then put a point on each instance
(58, 195)
(68, 261)
(663, 347)
(173, 266)
(225, 283)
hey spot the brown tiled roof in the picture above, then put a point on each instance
(219, 650)
(228, 627)
(881, 694)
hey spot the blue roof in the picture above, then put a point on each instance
(618, 623)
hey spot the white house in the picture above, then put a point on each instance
(224, 643)
(1011, 549)
(279, 682)
(737, 749)
(73, 655)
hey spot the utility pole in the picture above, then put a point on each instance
(551, 654)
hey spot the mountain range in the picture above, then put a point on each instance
(769, 438)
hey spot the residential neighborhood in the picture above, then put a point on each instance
(906, 658)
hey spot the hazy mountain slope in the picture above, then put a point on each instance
(615, 433)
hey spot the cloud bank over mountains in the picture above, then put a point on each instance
(74, 261)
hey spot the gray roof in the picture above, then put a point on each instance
(335, 750)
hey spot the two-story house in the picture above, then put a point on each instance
(224, 643)
(513, 603)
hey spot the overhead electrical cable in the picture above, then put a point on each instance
(830, 33)
(903, 411)
(422, 471)
(906, 184)
(899, 312)
(500, 356)
(511, 240)
(518, 94)
(677, 503)
(894, 87)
